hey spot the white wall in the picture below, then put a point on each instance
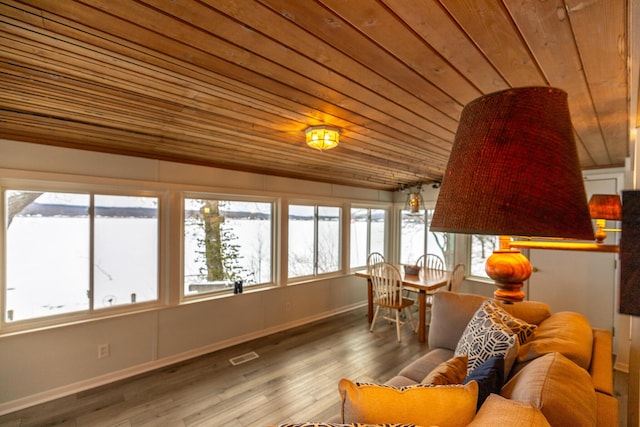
(40, 365)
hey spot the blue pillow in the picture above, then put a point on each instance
(489, 376)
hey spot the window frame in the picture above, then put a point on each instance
(91, 190)
(448, 255)
(274, 229)
(341, 240)
(369, 208)
(470, 259)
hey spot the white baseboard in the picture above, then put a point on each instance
(46, 396)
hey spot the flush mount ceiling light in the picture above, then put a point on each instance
(322, 137)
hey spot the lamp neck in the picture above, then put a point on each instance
(504, 242)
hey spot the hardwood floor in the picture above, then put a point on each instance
(295, 378)
(621, 387)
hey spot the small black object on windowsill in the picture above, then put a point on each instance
(237, 287)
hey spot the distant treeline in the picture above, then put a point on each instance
(38, 209)
(237, 214)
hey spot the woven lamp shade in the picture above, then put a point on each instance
(605, 206)
(514, 169)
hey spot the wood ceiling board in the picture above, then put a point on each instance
(81, 137)
(394, 37)
(548, 34)
(437, 130)
(599, 30)
(330, 28)
(492, 30)
(163, 83)
(430, 21)
(299, 71)
(267, 154)
(138, 115)
(154, 115)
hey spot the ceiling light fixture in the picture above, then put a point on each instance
(322, 137)
(415, 202)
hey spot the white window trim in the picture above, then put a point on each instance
(317, 204)
(275, 227)
(64, 184)
(370, 207)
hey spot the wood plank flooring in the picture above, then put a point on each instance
(295, 378)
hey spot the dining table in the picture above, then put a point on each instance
(426, 282)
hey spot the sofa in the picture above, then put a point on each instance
(493, 364)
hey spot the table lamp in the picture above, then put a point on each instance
(514, 171)
(601, 208)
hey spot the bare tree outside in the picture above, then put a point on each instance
(218, 253)
(96, 251)
(226, 241)
(482, 246)
(18, 201)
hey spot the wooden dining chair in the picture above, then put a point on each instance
(374, 258)
(387, 294)
(431, 262)
(457, 276)
(428, 262)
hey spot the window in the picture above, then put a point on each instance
(314, 240)
(481, 248)
(78, 252)
(415, 241)
(226, 241)
(125, 254)
(367, 234)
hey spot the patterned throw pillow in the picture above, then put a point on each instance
(519, 327)
(486, 336)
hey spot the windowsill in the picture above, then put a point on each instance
(224, 293)
(310, 279)
(479, 279)
(30, 326)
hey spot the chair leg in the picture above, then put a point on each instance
(375, 316)
(414, 328)
(398, 324)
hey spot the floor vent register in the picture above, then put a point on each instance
(243, 358)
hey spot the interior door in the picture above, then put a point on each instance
(575, 281)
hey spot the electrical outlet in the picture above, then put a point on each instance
(103, 351)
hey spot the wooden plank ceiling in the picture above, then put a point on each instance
(234, 83)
